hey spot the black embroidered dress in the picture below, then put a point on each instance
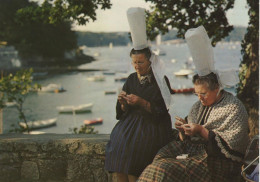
(139, 134)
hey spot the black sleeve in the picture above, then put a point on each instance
(212, 147)
(158, 109)
(214, 150)
(119, 111)
(169, 85)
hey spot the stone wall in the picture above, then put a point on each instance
(53, 158)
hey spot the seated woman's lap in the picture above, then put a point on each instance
(166, 167)
(197, 167)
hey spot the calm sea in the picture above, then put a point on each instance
(79, 90)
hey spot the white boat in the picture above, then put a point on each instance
(10, 104)
(39, 124)
(184, 72)
(121, 79)
(52, 87)
(173, 60)
(34, 132)
(108, 73)
(75, 109)
(96, 54)
(96, 78)
(159, 52)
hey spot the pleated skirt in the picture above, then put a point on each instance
(134, 142)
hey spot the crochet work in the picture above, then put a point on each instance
(228, 119)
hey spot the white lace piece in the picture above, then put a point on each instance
(159, 73)
(228, 78)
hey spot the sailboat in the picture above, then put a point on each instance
(159, 51)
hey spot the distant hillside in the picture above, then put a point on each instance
(236, 35)
(92, 39)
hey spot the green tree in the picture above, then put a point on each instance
(38, 37)
(15, 88)
(185, 14)
(8, 9)
(248, 90)
(168, 14)
(44, 30)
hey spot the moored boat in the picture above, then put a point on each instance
(96, 78)
(121, 79)
(75, 109)
(183, 90)
(108, 73)
(39, 124)
(10, 104)
(184, 72)
(93, 121)
(111, 92)
(34, 132)
(52, 87)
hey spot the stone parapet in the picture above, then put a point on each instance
(53, 158)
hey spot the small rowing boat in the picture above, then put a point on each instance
(75, 109)
(39, 124)
(183, 90)
(93, 121)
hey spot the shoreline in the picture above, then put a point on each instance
(57, 68)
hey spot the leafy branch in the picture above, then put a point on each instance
(15, 88)
(84, 129)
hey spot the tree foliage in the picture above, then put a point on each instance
(44, 30)
(79, 11)
(39, 36)
(185, 14)
(15, 88)
(248, 90)
(84, 129)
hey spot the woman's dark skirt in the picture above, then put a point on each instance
(134, 143)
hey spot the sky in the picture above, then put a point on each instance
(115, 20)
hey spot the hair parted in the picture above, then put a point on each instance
(146, 51)
(211, 80)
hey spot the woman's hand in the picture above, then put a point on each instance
(121, 97)
(191, 129)
(122, 100)
(132, 99)
(178, 123)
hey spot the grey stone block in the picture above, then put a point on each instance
(30, 170)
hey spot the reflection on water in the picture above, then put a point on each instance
(80, 90)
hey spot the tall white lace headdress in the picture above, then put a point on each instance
(203, 57)
(136, 20)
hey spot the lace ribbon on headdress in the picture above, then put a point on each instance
(159, 73)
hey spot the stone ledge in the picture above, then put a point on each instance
(53, 157)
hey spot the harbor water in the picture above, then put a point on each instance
(117, 63)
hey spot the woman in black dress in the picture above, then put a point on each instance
(144, 124)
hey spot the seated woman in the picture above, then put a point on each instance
(214, 136)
